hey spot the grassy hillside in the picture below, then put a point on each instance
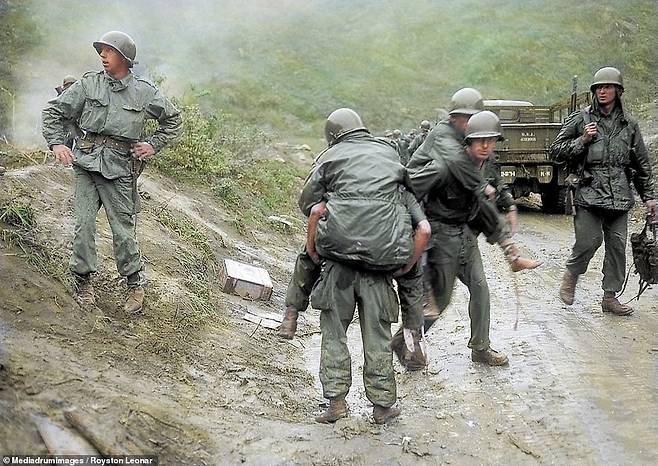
(285, 65)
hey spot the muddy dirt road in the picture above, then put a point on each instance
(199, 386)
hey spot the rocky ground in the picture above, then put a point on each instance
(194, 383)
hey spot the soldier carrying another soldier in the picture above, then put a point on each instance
(111, 107)
(458, 211)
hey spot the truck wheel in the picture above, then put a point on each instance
(556, 200)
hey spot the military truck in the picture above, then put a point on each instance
(523, 158)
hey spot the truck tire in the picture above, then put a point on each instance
(556, 200)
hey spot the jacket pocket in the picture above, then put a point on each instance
(94, 114)
(133, 119)
(595, 152)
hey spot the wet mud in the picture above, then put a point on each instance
(198, 385)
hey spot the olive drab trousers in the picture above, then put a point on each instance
(338, 292)
(592, 227)
(455, 254)
(410, 289)
(118, 198)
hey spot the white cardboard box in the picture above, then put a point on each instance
(245, 280)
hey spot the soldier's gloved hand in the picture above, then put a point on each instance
(651, 209)
(142, 150)
(589, 132)
(62, 154)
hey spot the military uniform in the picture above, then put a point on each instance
(359, 177)
(306, 273)
(112, 114)
(441, 170)
(606, 166)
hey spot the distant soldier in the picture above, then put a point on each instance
(419, 138)
(450, 177)
(72, 128)
(111, 106)
(403, 146)
(604, 149)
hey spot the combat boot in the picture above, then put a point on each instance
(516, 261)
(489, 356)
(382, 415)
(134, 300)
(84, 290)
(288, 326)
(337, 409)
(568, 287)
(611, 304)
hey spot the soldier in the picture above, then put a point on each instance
(603, 147)
(111, 106)
(419, 138)
(71, 127)
(444, 172)
(359, 177)
(66, 83)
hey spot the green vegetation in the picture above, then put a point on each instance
(216, 150)
(18, 229)
(17, 213)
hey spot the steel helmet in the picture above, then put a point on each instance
(484, 124)
(68, 79)
(466, 101)
(607, 75)
(341, 122)
(121, 42)
(425, 125)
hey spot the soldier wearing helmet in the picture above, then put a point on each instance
(445, 174)
(71, 127)
(419, 138)
(111, 107)
(358, 178)
(603, 147)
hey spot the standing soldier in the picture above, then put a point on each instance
(603, 147)
(450, 178)
(71, 127)
(111, 106)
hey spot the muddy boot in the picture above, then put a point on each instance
(611, 304)
(84, 290)
(337, 409)
(489, 356)
(515, 260)
(568, 287)
(382, 415)
(288, 327)
(134, 300)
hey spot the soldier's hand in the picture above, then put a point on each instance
(142, 150)
(62, 154)
(490, 192)
(651, 209)
(589, 132)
